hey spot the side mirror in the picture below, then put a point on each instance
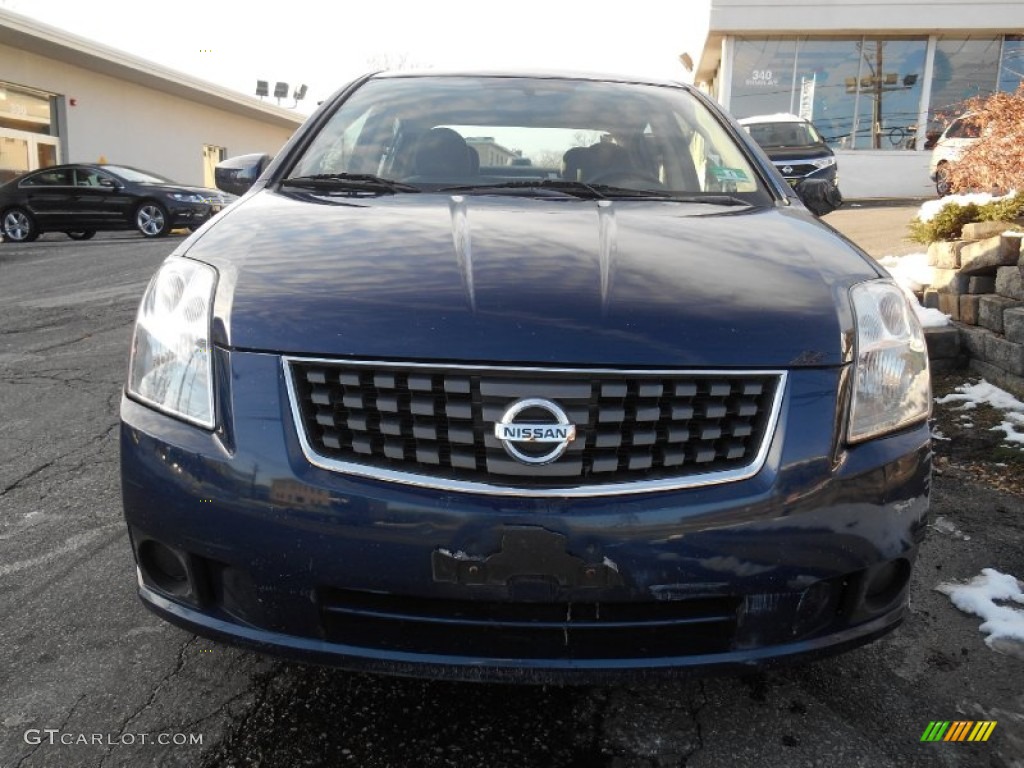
(237, 174)
(110, 184)
(820, 196)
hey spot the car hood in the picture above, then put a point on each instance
(790, 154)
(531, 280)
(214, 194)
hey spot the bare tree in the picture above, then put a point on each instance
(996, 159)
(394, 62)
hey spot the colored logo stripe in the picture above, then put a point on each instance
(982, 731)
(958, 730)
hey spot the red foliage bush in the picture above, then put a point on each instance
(996, 160)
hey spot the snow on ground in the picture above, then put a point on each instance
(972, 395)
(932, 207)
(910, 271)
(942, 525)
(912, 274)
(1004, 624)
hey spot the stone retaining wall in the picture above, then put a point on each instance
(979, 283)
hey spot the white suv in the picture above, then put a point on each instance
(957, 137)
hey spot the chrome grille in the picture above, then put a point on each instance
(796, 170)
(434, 425)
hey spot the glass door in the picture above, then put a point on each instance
(21, 152)
(14, 157)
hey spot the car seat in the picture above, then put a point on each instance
(442, 153)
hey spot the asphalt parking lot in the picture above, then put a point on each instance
(90, 678)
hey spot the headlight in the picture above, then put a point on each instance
(185, 197)
(824, 162)
(892, 387)
(170, 365)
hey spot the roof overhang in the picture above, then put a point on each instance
(40, 39)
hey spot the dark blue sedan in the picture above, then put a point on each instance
(524, 377)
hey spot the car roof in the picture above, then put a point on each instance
(780, 117)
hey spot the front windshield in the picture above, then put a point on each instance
(133, 174)
(784, 134)
(436, 132)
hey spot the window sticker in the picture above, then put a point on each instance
(729, 174)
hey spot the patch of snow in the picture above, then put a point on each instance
(1003, 624)
(1013, 429)
(930, 317)
(982, 393)
(948, 527)
(931, 207)
(610, 565)
(910, 271)
(937, 435)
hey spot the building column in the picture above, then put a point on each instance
(926, 94)
(725, 72)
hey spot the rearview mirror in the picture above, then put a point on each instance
(237, 174)
(820, 196)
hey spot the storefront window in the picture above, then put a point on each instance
(762, 82)
(24, 110)
(861, 93)
(889, 93)
(832, 66)
(964, 68)
(1011, 72)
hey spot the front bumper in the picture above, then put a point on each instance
(191, 214)
(238, 537)
(831, 173)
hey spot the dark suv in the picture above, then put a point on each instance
(410, 407)
(794, 146)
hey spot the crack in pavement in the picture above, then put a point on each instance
(33, 472)
(60, 729)
(178, 665)
(264, 682)
(695, 716)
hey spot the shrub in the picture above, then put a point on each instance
(949, 222)
(996, 160)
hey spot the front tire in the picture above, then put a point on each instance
(942, 184)
(151, 219)
(82, 234)
(19, 226)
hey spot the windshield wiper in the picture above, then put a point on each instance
(599, 191)
(710, 200)
(575, 188)
(352, 182)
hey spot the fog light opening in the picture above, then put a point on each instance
(164, 568)
(885, 584)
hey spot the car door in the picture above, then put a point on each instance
(99, 198)
(49, 195)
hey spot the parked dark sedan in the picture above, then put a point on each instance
(81, 199)
(415, 406)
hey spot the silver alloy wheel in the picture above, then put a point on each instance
(17, 226)
(150, 219)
